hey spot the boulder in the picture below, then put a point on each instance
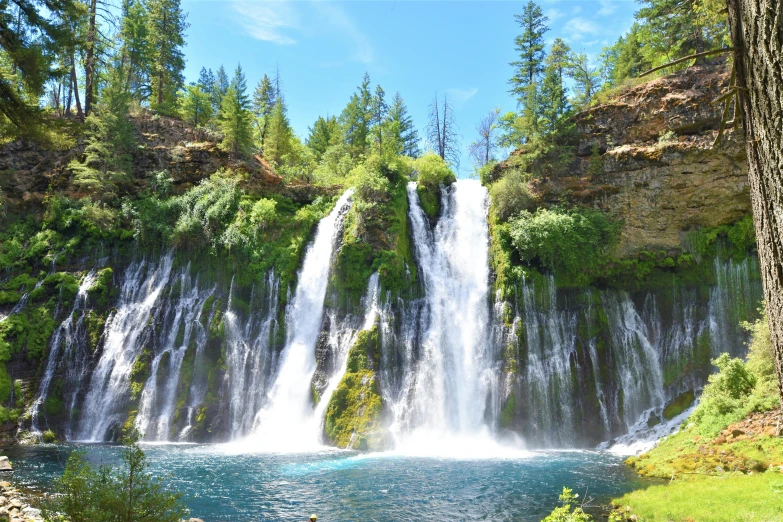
(5, 465)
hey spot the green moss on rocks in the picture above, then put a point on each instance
(678, 405)
(102, 289)
(508, 413)
(353, 415)
(140, 372)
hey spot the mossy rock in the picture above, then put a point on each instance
(678, 405)
(353, 416)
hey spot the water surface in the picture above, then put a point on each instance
(338, 485)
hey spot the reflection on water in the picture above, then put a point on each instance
(341, 485)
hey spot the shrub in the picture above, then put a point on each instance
(206, 209)
(565, 513)
(128, 493)
(510, 196)
(571, 243)
(371, 186)
(433, 172)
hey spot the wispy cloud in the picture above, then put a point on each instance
(266, 21)
(554, 14)
(337, 19)
(460, 97)
(576, 28)
(607, 7)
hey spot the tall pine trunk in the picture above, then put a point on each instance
(75, 87)
(757, 33)
(89, 63)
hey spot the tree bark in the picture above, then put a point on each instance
(757, 34)
(75, 86)
(89, 63)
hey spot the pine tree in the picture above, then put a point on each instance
(219, 88)
(530, 46)
(378, 113)
(235, 117)
(585, 79)
(324, 133)
(553, 99)
(279, 134)
(206, 78)
(111, 139)
(402, 129)
(167, 37)
(195, 106)
(355, 119)
(135, 52)
(263, 104)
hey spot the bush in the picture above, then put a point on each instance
(565, 513)
(510, 196)
(571, 243)
(371, 186)
(124, 494)
(206, 209)
(433, 172)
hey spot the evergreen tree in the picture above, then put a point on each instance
(553, 99)
(324, 133)
(135, 51)
(378, 113)
(219, 88)
(235, 117)
(107, 161)
(195, 106)
(630, 61)
(206, 79)
(585, 79)
(263, 104)
(167, 37)
(530, 46)
(402, 130)
(355, 119)
(279, 134)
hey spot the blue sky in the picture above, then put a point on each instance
(418, 48)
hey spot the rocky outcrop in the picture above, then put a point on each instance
(647, 159)
(28, 170)
(14, 507)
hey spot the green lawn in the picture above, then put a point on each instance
(730, 498)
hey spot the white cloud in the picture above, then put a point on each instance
(607, 7)
(460, 97)
(554, 14)
(577, 28)
(337, 19)
(266, 21)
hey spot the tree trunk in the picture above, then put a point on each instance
(160, 70)
(757, 34)
(89, 63)
(75, 86)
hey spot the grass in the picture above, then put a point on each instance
(730, 498)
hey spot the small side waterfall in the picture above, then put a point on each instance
(69, 338)
(110, 381)
(452, 378)
(287, 420)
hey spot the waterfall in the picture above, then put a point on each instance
(450, 382)
(250, 357)
(287, 421)
(180, 331)
(69, 336)
(110, 382)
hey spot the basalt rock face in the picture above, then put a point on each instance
(654, 167)
(189, 155)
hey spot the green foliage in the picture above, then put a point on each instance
(510, 196)
(324, 133)
(571, 243)
(355, 119)
(235, 120)
(741, 237)
(127, 493)
(106, 167)
(167, 27)
(195, 106)
(432, 173)
(530, 48)
(739, 388)
(206, 209)
(565, 513)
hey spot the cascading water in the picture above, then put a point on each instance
(69, 337)
(110, 382)
(450, 384)
(287, 421)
